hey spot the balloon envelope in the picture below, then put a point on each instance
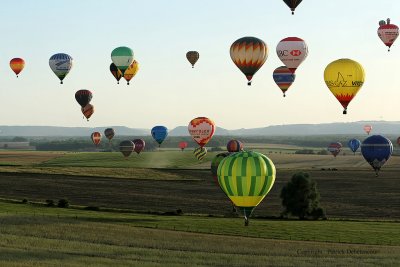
(388, 33)
(367, 128)
(83, 97)
(292, 4)
(17, 65)
(201, 129)
(139, 145)
(115, 72)
(200, 153)
(96, 138)
(109, 133)
(284, 78)
(292, 51)
(126, 147)
(60, 64)
(159, 133)
(376, 150)
(182, 145)
(335, 148)
(192, 57)
(354, 144)
(88, 111)
(122, 57)
(131, 71)
(249, 54)
(234, 146)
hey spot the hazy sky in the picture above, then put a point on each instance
(166, 90)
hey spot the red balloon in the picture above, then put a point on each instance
(183, 145)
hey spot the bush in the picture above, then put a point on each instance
(24, 201)
(63, 203)
(94, 208)
(323, 152)
(50, 203)
(305, 152)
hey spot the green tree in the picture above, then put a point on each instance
(300, 197)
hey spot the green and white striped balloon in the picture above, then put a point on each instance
(122, 57)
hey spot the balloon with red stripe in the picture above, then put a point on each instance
(17, 65)
(292, 51)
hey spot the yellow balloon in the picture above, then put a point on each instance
(344, 77)
(131, 71)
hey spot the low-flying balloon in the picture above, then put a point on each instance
(96, 138)
(115, 72)
(284, 78)
(88, 111)
(344, 78)
(131, 71)
(200, 153)
(109, 133)
(246, 184)
(126, 148)
(139, 145)
(17, 65)
(182, 145)
(234, 146)
(367, 128)
(376, 150)
(292, 4)
(201, 129)
(159, 133)
(292, 51)
(192, 57)
(60, 64)
(335, 148)
(249, 54)
(122, 57)
(354, 145)
(388, 32)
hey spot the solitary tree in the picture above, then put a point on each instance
(300, 198)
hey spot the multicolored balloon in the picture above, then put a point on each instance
(234, 146)
(122, 57)
(200, 153)
(83, 97)
(246, 178)
(215, 163)
(88, 111)
(96, 138)
(182, 145)
(126, 148)
(335, 148)
(61, 64)
(292, 4)
(344, 78)
(159, 134)
(376, 150)
(131, 71)
(292, 51)
(201, 129)
(192, 57)
(388, 32)
(284, 78)
(354, 144)
(249, 54)
(17, 65)
(139, 145)
(115, 72)
(109, 133)
(367, 128)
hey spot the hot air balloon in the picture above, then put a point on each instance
(96, 138)
(234, 146)
(159, 133)
(88, 111)
(215, 163)
(192, 57)
(388, 32)
(246, 178)
(201, 129)
(183, 145)
(292, 51)
(60, 64)
(17, 65)
(109, 133)
(249, 54)
(131, 71)
(335, 148)
(126, 148)
(115, 72)
(284, 78)
(292, 4)
(354, 144)
(83, 97)
(367, 128)
(139, 145)
(344, 77)
(200, 153)
(122, 57)
(376, 150)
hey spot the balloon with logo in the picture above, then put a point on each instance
(376, 150)
(249, 54)
(192, 57)
(60, 64)
(200, 153)
(139, 145)
(367, 128)
(388, 32)
(292, 4)
(159, 133)
(122, 57)
(335, 148)
(17, 65)
(96, 138)
(215, 163)
(246, 177)
(126, 148)
(234, 146)
(131, 71)
(292, 51)
(201, 129)
(115, 72)
(182, 145)
(354, 144)
(284, 78)
(344, 78)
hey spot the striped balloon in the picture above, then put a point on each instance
(200, 153)
(131, 71)
(88, 111)
(122, 57)
(284, 78)
(96, 138)
(126, 148)
(246, 178)
(60, 64)
(115, 72)
(17, 65)
(249, 54)
(234, 146)
(335, 148)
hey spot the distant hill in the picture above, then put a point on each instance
(355, 128)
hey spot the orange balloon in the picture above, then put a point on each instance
(17, 65)
(88, 111)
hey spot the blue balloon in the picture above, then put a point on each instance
(376, 150)
(354, 144)
(159, 133)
